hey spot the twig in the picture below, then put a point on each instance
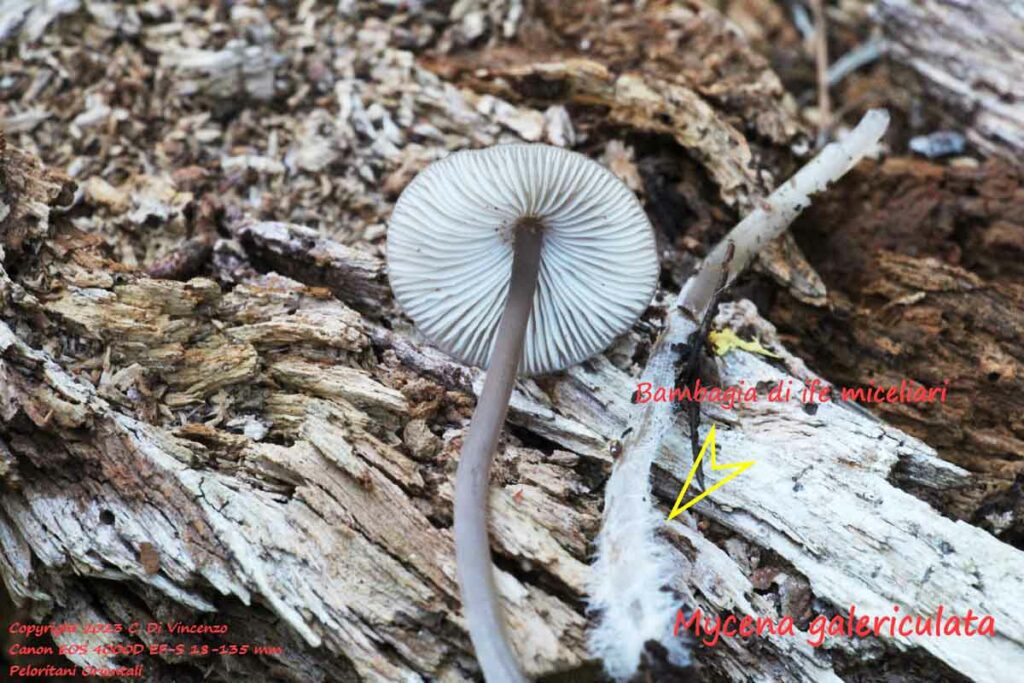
(632, 563)
(858, 57)
(821, 62)
(800, 19)
(191, 255)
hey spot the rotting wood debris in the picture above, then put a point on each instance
(202, 372)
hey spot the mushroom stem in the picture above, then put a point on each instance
(472, 547)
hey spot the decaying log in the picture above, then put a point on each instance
(820, 496)
(680, 71)
(630, 561)
(28, 193)
(925, 282)
(270, 458)
(969, 55)
(350, 274)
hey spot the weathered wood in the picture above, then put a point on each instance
(288, 491)
(28, 194)
(265, 442)
(970, 56)
(630, 561)
(823, 500)
(351, 275)
(925, 282)
(324, 532)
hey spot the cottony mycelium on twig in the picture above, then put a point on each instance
(631, 569)
(522, 259)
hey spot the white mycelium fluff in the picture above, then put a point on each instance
(450, 246)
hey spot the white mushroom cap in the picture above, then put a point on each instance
(450, 248)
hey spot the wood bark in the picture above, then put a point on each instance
(310, 504)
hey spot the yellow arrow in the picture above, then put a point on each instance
(737, 469)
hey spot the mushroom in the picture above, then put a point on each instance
(521, 259)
